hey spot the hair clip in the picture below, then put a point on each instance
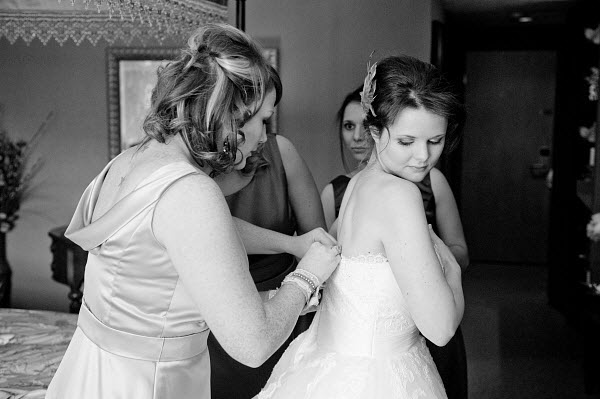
(367, 95)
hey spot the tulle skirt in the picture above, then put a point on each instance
(307, 370)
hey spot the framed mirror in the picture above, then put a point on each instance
(131, 78)
(271, 55)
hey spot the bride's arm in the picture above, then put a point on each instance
(434, 299)
(193, 222)
(448, 219)
(452, 269)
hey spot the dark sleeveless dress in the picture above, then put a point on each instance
(263, 202)
(451, 359)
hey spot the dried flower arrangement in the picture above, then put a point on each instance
(16, 173)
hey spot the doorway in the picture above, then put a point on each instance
(505, 155)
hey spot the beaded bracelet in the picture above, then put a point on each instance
(301, 284)
(308, 277)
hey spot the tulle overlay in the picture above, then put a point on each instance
(363, 343)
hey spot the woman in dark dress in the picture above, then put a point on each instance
(441, 212)
(278, 194)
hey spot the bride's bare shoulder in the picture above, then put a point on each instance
(391, 194)
(386, 185)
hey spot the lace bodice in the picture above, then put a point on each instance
(365, 307)
(362, 344)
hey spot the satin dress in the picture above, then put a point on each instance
(139, 334)
(362, 344)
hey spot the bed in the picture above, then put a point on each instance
(32, 344)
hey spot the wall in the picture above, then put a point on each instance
(70, 81)
(324, 47)
(437, 11)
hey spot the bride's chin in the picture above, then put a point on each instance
(414, 177)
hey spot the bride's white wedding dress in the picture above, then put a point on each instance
(362, 343)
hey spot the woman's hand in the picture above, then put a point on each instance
(321, 260)
(445, 256)
(301, 244)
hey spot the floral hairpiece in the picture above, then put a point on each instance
(367, 95)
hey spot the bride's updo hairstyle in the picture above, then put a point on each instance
(215, 86)
(406, 82)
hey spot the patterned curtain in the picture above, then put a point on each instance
(115, 21)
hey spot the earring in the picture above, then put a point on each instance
(226, 147)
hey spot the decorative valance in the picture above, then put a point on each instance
(115, 21)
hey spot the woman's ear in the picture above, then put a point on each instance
(375, 133)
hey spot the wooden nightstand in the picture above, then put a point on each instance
(68, 265)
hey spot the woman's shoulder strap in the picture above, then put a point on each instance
(90, 234)
(339, 185)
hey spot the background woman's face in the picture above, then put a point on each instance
(413, 143)
(254, 130)
(353, 132)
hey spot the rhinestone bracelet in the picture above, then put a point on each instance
(306, 289)
(308, 277)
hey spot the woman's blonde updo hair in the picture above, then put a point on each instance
(215, 86)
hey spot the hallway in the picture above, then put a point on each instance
(517, 345)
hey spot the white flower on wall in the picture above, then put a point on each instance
(588, 133)
(593, 82)
(593, 34)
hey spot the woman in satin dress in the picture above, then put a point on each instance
(166, 263)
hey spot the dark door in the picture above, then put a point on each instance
(504, 197)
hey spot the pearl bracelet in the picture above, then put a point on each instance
(306, 289)
(307, 276)
(308, 283)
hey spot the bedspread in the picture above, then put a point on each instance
(32, 344)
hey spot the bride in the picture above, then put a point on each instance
(397, 281)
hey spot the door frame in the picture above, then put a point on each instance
(460, 39)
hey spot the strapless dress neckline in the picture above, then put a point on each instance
(366, 258)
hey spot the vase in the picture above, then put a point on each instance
(5, 274)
